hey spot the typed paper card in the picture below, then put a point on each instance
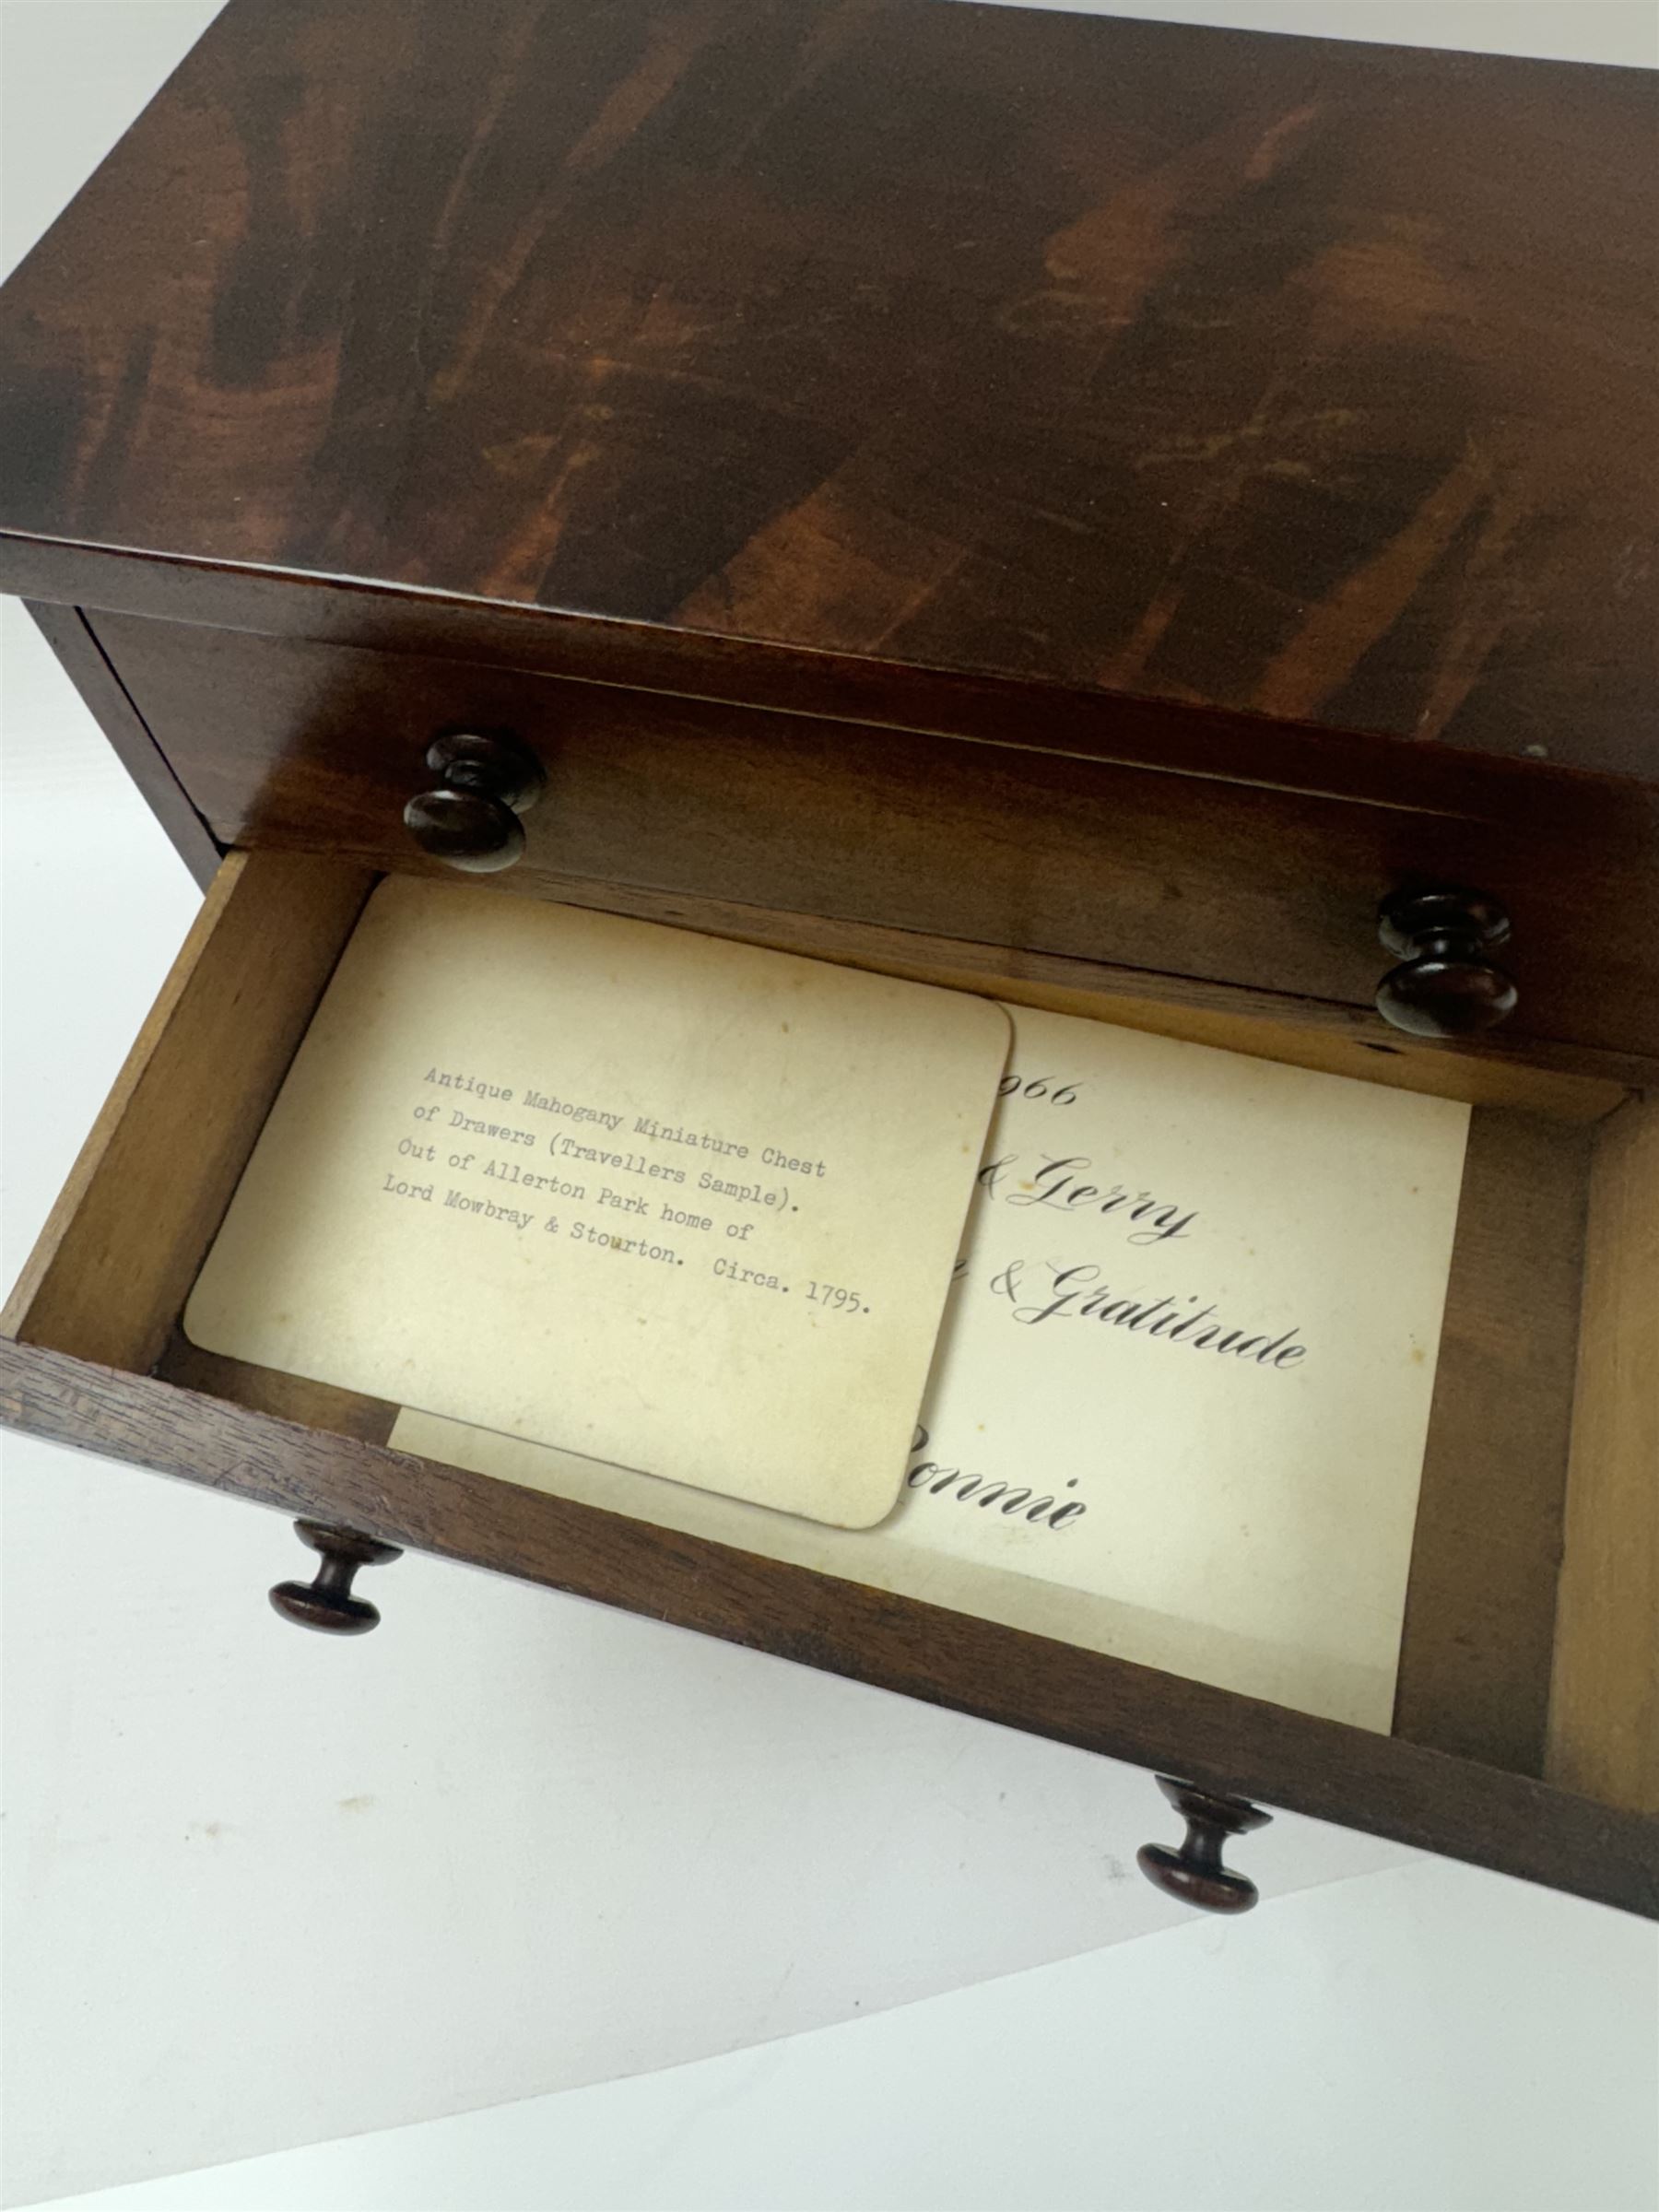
(646, 1196)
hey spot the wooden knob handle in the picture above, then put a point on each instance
(1445, 986)
(470, 819)
(326, 1603)
(1196, 1873)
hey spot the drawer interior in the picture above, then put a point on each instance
(1530, 1640)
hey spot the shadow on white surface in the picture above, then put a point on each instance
(1425, 2041)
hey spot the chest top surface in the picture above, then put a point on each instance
(1239, 372)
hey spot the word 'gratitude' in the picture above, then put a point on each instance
(1078, 1293)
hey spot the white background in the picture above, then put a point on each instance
(261, 1890)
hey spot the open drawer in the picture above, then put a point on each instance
(1526, 1729)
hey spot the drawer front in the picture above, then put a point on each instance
(290, 744)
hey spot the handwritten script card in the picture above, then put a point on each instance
(1181, 1398)
(1201, 1312)
(646, 1196)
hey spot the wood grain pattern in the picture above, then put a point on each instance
(1566, 1082)
(1478, 1647)
(1604, 1717)
(1218, 1740)
(1177, 737)
(298, 744)
(1269, 376)
(121, 1248)
(267, 1390)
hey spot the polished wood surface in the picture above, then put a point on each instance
(70, 636)
(1253, 375)
(1446, 984)
(286, 743)
(484, 780)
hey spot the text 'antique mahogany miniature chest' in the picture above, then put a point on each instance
(1105, 515)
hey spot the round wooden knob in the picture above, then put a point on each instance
(470, 819)
(1445, 985)
(326, 1603)
(1196, 1873)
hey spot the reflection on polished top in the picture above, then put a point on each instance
(1238, 372)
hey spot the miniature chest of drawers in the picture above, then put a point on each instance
(1089, 510)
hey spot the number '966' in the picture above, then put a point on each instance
(1017, 1086)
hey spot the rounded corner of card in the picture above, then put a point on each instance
(193, 1325)
(857, 1500)
(995, 1015)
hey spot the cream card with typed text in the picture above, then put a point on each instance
(647, 1196)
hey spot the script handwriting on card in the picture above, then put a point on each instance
(1060, 1183)
(1037, 1292)
(1041, 1508)
(1035, 1088)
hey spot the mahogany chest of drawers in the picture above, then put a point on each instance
(1085, 509)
